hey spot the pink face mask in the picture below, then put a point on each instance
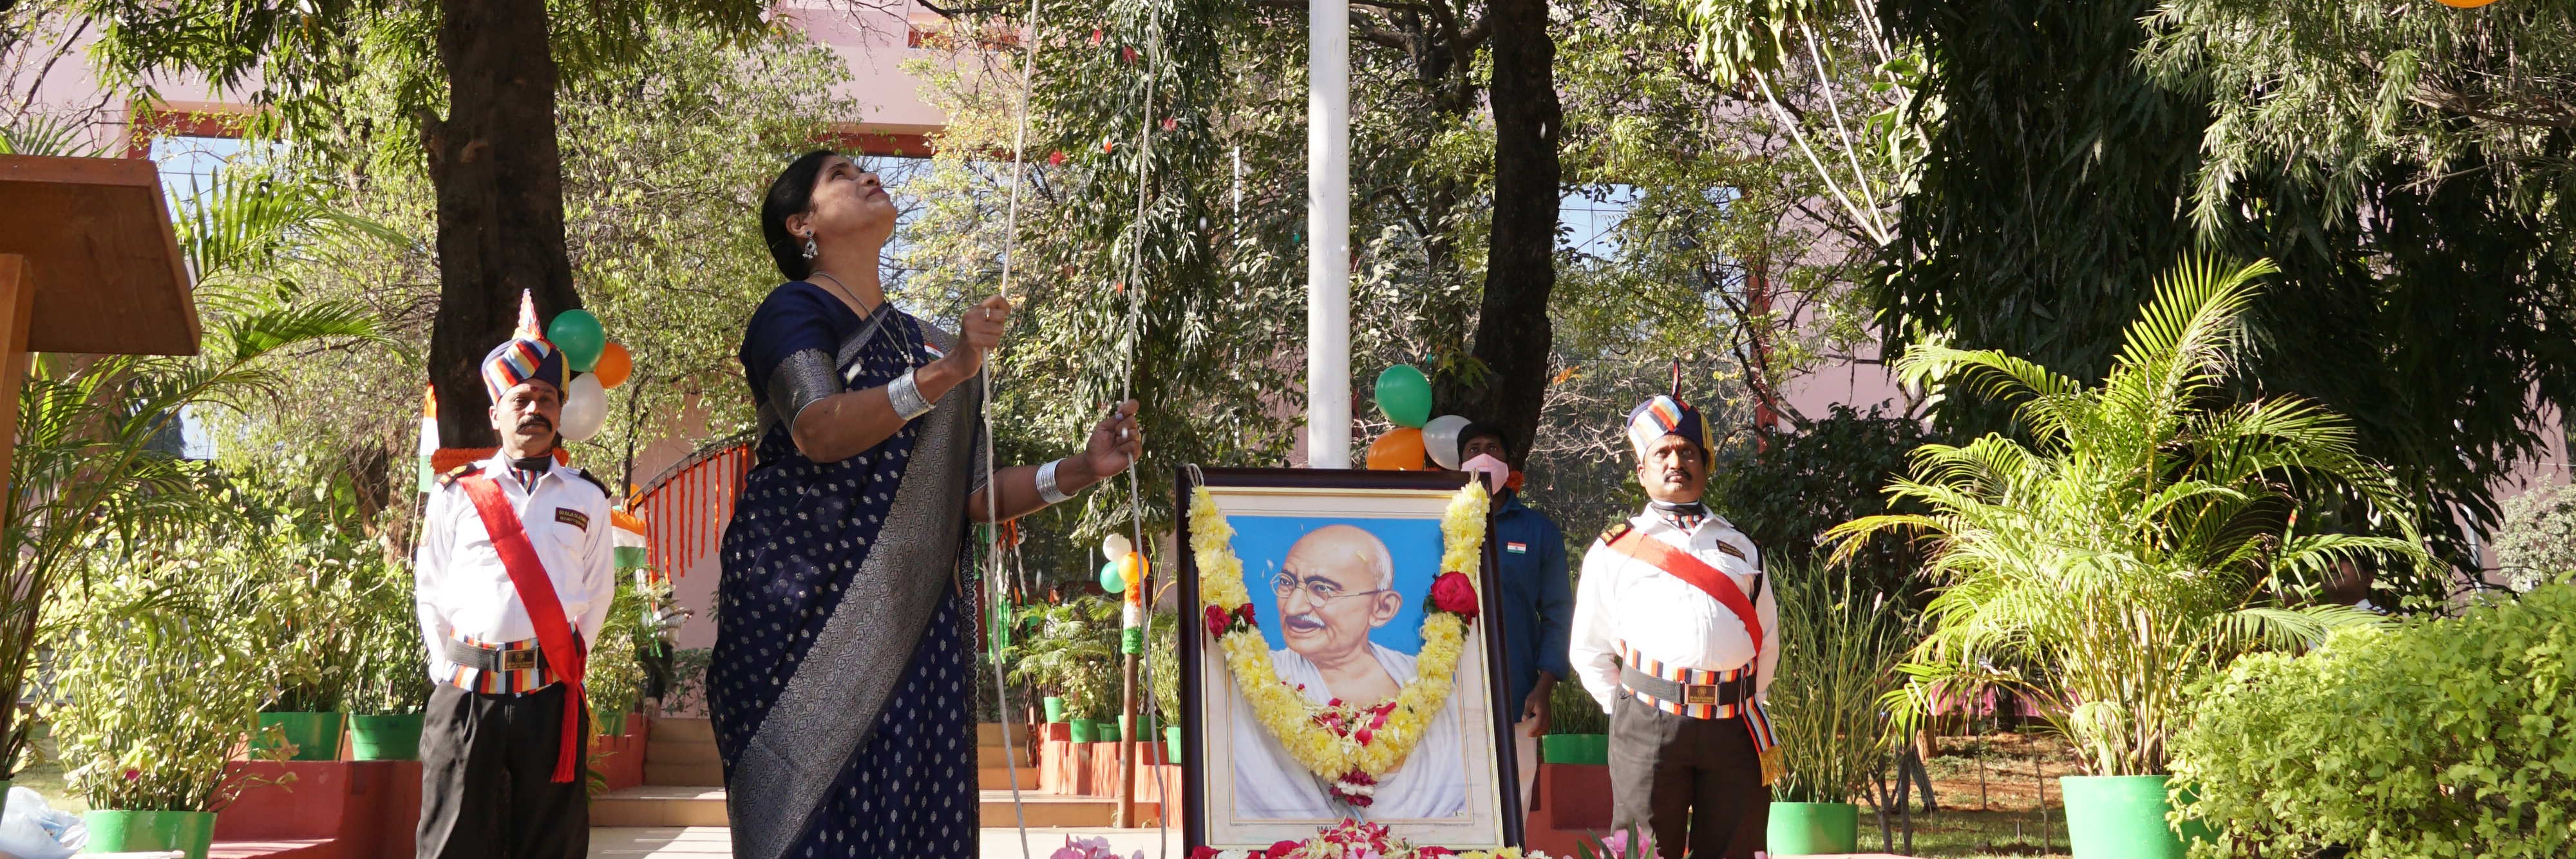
(1493, 470)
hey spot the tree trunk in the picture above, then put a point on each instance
(1513, 336)
(498, 176)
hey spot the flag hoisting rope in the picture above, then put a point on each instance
(1132, 638)
(993, 490)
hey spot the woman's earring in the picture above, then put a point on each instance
(810, 249)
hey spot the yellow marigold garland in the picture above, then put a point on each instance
(1351, 745)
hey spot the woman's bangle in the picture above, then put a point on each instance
(1046, 484)
(905, 395)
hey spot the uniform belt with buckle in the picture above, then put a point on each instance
(494, 658)
(1674, 691)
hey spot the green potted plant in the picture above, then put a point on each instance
(307, 584)
(1839, 650)
(392, 674)
(2135, 545)
(161, 689)
(613, 674)
(1072, 647)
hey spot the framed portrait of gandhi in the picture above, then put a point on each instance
(1340, 659)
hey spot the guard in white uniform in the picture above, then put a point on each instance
(513, 579)
(1676, 634)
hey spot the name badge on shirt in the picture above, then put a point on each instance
(1516, 548)
(573, 518)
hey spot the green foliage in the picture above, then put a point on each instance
(2438, 737)
(2329, 93)
(162, 688)
(88, 465)
(2538, 539)
(2425, 272)
(2142, 540)
(614, 672)
(1071, 648)
(1840, 645)
(1787, 492)
(300, 592)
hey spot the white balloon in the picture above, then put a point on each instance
(585, 408)
(1440, 439)
(1116, 546)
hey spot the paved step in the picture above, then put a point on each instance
(1053, 810)
(680, 752)
(990, 734)
(684, 730)
(656, 805)
(682, 775)
(998, 777)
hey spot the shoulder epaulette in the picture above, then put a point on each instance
(603, 488)
(459, 473)
(1614, 532)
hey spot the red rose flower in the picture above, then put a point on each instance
(1203, 852)
(1452, 593)
(1216, 622)
(1281, 850)
(1056, 158)
(1428, 851)
(1244, 612)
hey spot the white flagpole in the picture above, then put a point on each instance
(1328, 234)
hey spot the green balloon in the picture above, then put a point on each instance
(578, 334)
(1404, 396)
(1110, 580)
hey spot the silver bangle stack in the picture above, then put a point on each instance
(905, 395)
(1046, 484)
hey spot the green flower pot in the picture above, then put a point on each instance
(2123, 817)
(385, 738)
(1086, 731)
(1054, 709)
(1172, 743)
(316, 735)
(611, 724)
(1574, 748)
(140, 831)
(1813, 828)
(1126, 729)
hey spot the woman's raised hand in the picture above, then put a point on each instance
(980, 330)
(1115, 443)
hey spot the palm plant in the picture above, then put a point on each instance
(1839, 651)
(89, 461)
(1073, 649)
(2143, 537)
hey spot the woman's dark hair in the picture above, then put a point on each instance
(791, 194)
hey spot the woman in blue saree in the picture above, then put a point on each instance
(841, 683)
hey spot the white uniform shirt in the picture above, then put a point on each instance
(1622, 599)
(461, 588)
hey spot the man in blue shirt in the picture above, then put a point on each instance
(1537, 600)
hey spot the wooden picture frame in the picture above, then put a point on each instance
(1266, 507)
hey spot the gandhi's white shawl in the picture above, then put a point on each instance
(1268, 784)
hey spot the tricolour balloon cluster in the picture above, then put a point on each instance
(1404, 396)
(600, 365)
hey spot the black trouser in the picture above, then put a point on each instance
(487, 789)
(1694, 782)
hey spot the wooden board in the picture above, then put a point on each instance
(99, 245)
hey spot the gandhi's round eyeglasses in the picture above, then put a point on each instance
(1319, 591)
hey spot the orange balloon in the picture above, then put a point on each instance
(1400, 450)
(613, 365)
